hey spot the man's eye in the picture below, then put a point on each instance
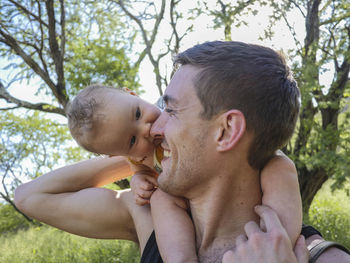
(132, 141)
(138, 113)
(169, 111)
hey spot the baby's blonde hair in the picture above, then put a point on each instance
(84, 114)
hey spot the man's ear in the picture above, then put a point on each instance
(230, 130)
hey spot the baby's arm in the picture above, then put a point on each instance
(173, 227)
(279, 183)
(172, 223)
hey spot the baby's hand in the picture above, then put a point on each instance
(143, 185)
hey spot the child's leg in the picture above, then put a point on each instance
(173, 227)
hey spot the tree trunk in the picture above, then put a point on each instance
(310, 182)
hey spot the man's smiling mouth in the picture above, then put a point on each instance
(167, 154)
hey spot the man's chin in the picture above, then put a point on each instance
(163, 182)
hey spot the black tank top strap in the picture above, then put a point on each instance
(151, 252)
(308, 231)
(316, 251)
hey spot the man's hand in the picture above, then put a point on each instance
(272, 246)
(143, 185)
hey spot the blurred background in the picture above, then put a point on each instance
(51, 49)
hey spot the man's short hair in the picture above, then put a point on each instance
(252, 79)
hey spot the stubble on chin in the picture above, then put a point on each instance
(180, 179)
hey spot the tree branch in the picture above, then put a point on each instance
(59, 89)
(148, 41)
(12, 43)
(292, 31)
(28, 12)
(33, 106)
(63, 33)
(298, 6)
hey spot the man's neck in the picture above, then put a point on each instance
(219, 214)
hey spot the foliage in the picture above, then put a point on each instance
(96, 52)
(320, 147)
(51, 40)
(228, 14)
(329, 213)
(10, 220)
(49, 245)
(98, 61)
(30, 146)
(60, 46)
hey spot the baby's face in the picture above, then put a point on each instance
(125, 126)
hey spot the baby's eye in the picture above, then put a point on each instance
(132, 141)
(138, 113)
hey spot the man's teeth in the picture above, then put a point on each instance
(167, 153)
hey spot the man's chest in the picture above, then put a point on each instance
(215, 253)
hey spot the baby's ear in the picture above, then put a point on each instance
(127, 90)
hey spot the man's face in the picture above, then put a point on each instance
(184, 134)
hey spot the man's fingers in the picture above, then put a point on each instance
(269, 217)
(262, 225)
(228, 257)
(241, 239)
(250, 228)
(300, 250)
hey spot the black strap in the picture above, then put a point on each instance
(308, 231)
(151, 253)
(317, 250)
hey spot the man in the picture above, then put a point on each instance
(213, 148)
(229, 107)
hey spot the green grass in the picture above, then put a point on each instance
(49, 245)
(330, 214)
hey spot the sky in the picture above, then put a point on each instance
(202, 32)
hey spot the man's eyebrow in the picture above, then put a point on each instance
(168, 99)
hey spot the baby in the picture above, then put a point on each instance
(115, 122)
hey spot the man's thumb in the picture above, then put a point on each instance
(300, 250)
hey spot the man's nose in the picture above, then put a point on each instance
(157, 130)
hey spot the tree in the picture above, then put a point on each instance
(30, 146)
(148, 22)
(50, 39)
(228, 14)
(63, 45)
(320, 146)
